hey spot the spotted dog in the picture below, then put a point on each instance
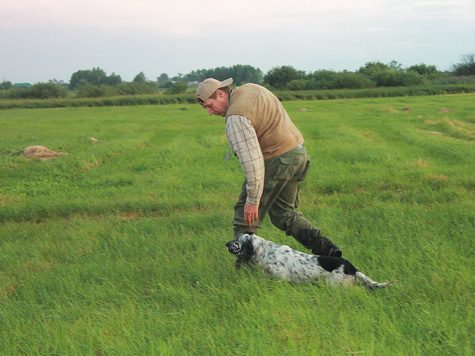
(280, 261)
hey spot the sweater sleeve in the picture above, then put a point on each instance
(243, 140)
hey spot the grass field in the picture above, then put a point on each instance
(118, 247)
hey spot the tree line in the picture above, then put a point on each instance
(95, 82)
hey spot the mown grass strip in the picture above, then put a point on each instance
(118, 247)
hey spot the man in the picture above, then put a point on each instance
(270, 149)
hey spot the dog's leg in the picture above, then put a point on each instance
(368, 282)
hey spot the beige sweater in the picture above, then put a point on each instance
(276, 133)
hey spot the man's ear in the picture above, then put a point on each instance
(221, 93)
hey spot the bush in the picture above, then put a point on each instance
(87, 90)
(467, 67)
(177, 88)
(430, 72)
(137, 88)
(297, 84)
(37, 91)
(390, 78)
(348, 80)
(326, 79)
(279, 77)
(6, 85)
(47, 91)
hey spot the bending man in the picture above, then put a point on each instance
(271, 152)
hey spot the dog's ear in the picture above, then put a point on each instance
(247, 250)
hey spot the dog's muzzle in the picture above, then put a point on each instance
(233, 247)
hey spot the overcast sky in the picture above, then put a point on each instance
(51, 39)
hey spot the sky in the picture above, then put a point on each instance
(42, 40)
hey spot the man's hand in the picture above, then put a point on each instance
(250, 214)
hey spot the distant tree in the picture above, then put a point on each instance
(140, 78)
(96, 76)
(47, 91)
(88, 90)
(395, 65)
(390, 78)
(322, 79)
(279, 77)
(350, 80)
(20, 92)
(137, 88)
(36, 91)
(6, 85)
(428, 71)
(390, 75)
(163, 78)
(298, 84)
(327, 79)
(177, 88)
(240, 73)
(165, 85)
(178, 77)
(412, 78)
(57, 82)
(113, 80)
(370, 68)
(467, 67)
(196, 75)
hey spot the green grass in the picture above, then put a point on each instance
(118, 247)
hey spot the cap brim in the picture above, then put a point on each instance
(226, 83)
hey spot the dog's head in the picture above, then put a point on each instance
(242, 246)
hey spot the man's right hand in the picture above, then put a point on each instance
(251, 214)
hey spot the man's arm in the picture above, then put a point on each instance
(243, 140)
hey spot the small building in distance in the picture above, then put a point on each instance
(28, 85)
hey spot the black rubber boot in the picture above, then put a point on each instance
(325, 247)
(320, 245)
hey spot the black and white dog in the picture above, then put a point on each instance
(280, 261)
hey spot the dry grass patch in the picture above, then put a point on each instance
(451, 127)
(421, 163)
(389, 109)
(39, 152)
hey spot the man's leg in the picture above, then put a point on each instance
(284, 216)
(280, 199)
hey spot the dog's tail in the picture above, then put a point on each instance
(368, 282)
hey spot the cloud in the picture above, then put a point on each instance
(178, 17)
(409, 45)
(447, 9)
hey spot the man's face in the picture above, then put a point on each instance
(217, 106)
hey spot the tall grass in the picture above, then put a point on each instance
(118, 247)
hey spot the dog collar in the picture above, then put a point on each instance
(257, 249)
